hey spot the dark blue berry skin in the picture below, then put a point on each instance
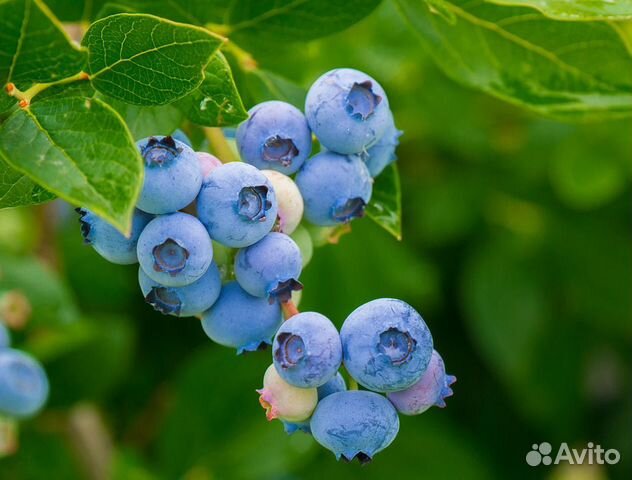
(347, 110)
(23, 384)
(186, 301)
(275, 136)
(335, 188)
(237, 205)
(172, 175)
(355, 424)
(270, 268)
(386, 345)
(241, 321)
(335, 384)
(306, 350)
(175, 250)
(107, 241)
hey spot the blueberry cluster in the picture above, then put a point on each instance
(385, 346)
(221, 242)
(23, 381)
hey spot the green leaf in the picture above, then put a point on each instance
(146, 121)
(25, 27)
(562, 69)
(385, 207)
(79, 149)
(145, 60)
(260, 22)
(16, 189)
(265, 85)
(75, 10)
(216, 102)
(577, 9)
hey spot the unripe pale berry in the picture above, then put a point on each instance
(284, 401)
(289, 200)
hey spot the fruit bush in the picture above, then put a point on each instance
(508, 230)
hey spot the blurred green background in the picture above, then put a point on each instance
(516, 250)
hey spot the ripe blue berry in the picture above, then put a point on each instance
(382, 154)
(186, 301)
(175, 250)
(355, 424)
(275, 136)
(270, 268)
(172, 175)
(284, 401)
(293, 427)
(23, 384)
(108, 241)
(289, 200)
(386, 345)
(347, 110)
(237, 205)
(5, 336)
(306, 350)
(333, 385)
(335, 188)
(239, 320)
(431, 389)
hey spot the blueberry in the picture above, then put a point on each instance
(208, 163)
(289, 200)
(237, 205)
(5, 336)
(386, 345)
(333, 385)
(275, 136)
(186, 301)
(431, 389)
(108, 241)
(175, 250)
(239, 320)
(270, 268)
(335, 188)
(306, 350)
(284, 401)
(382, 154)
(347, 110)
(293, 427)
(172, 175)
(23, 384)
(355, 424)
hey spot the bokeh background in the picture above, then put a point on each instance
(516, 250)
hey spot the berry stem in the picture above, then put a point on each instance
(26, 97)
(289, 309)
(353, 385)
(219, 145)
